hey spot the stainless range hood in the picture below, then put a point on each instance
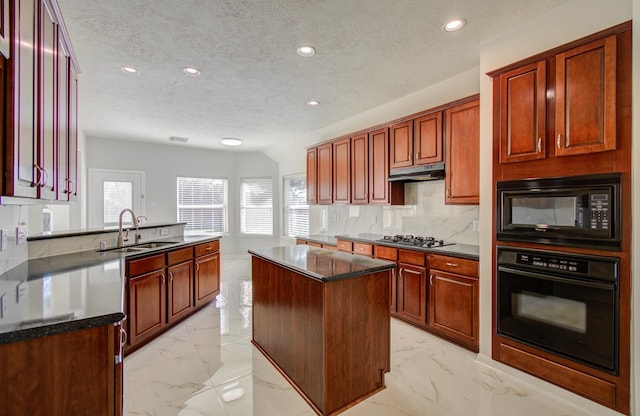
(430, 172)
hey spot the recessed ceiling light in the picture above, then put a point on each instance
(228, 141)
(129, 70)
(306, 51)
(313, 103)
(455, 24)
(191, 71)
(178, 139)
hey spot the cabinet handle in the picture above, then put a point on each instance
(452, 264)
(431, 280)
(164, 278)
(417, 155)
(45, 177)
(539, 144)
(559, 140)
(197, 267)
(123, 338)
(38, 178)
(171, 277)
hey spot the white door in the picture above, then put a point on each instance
(111, 191)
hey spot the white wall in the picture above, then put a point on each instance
(162, 164)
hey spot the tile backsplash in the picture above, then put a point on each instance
(425, 214)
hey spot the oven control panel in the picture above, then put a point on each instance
(552, 262)
(599, 209)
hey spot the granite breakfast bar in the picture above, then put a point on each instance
(321, 317)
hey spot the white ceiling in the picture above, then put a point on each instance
(253, 84)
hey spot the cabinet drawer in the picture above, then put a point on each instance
(145, 265)
(412, 257)
(312, 244)
(329, 247)
(387, 253)
(299, 241)
(345, 246)
(207, 248)
(363, 249)
(453, 265)
(179, 256)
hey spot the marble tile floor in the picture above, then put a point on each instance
(207, 366)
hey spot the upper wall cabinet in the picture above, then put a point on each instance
(325, 173)
(4, 28)
(562, 104)
(416, 142)
(381, 191)
(586, 98)
(462, 183)
(41, 105)
(342, 171)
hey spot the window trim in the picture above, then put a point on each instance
(224, 206)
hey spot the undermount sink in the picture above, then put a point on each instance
(141, 247)
(125, 249)
(155, 244)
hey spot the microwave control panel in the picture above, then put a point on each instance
(599, 209)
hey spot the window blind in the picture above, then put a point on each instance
(256, 206)
(296, 210)
(202, 204)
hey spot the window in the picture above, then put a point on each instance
(256, 206)
(296, 210)
(202, 204)
(111, 191)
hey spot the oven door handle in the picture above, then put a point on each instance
(578, 282)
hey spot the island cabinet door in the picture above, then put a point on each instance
(179, 291)
(147, 305)
(207, 279)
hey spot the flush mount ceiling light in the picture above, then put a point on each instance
(306, 51)
(191, 71)
(178, 139)
(228, 141)
(129, 70)
(455, 24)
(313, 103)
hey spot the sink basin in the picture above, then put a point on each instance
(141, 247)
(155, 244)
(126, 250)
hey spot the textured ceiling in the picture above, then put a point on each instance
(253, 84)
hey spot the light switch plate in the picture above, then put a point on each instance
(21, 234)
(164, 231)
(21, 291)
(3, 240)
(3, 305)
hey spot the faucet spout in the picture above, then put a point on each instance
(124, 238)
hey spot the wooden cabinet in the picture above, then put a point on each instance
(71, 373)
(462, 183)
(312, 175)
(5, 30)
(207, 272)
(381, 191)
(342, 171)
(180, 292)
(411, 291)
(523, 98)
(391, 254)
(453, 299)
(585, 96)
(417, 142)
(325, 173)
(37, 104)
(363, 249)
(346, 246)
(360, 169)
(147, 297)
(401, 144)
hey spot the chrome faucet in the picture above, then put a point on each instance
(122, 239)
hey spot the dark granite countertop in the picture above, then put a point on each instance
(320, 263)
(56, 294)
(467, 251)
(89, 231)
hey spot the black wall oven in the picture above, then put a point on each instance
(577, 211)
(561, 303)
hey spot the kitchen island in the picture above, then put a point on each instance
(321, 317)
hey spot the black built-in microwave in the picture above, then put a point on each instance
(578, 211)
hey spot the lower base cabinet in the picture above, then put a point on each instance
(411, 292)
(72, 373)
(207, 272)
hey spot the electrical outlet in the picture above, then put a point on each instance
(21, 234)
(164, 231)
(21, 291)
(3, 240)
(3, 305)
(476, 226)
(103, 245)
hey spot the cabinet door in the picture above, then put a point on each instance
(325, 173)
(72, 171)
(586, 98)
(62, 117)
(412, 293)
(207, 278)
(428, 139)
(342, 171)
(179, 291)
(463, 161)
(360, 169)
(401, 144)
(25, 175)
(523, 95)
(312, 175)
(147, 300)
(47, 82)
(379, 166)
(5, 32)
(453, 306)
